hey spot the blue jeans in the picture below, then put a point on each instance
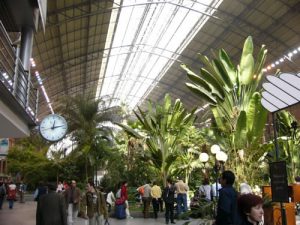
(181, 203)
(11, 203)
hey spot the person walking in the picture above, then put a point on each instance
(11, 194)
(22, 189)
(156, 198)
(227, 212)
(2, 193)
(181, 190)
(72, 198)
(146, 199)
(124, 195)
(96, 205)
(110, 200)
(51, 208)
(169, 199)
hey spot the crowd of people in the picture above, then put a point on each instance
(9, 191)
(60, 203)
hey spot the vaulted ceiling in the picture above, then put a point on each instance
(80, 45)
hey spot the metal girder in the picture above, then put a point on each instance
(86, 53)
(61, 54)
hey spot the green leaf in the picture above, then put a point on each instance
(129, 130)
(247, 62)
(223, 73)
(246, 69)
(256, 116)
(229, 67)
(202, 93)
(213, 73)
(196, 78)
(241, 122)
(209, 78)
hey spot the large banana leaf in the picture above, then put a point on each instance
(229, 67)
(202, 93)
(247, 62)
(256, 117)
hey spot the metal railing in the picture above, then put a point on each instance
(14, 78)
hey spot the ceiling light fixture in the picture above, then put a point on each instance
(40, 82)
(287, 56)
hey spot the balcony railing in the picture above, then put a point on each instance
(14, 78)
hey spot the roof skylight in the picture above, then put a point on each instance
(149, 36)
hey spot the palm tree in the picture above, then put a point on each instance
(89, 122)
(161, 128)
(231, 91)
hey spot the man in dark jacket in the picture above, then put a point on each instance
(168, 197)
(227, 212)
(51, 208)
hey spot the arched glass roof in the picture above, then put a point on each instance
(129, 51)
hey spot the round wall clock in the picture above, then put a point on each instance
(53, 127)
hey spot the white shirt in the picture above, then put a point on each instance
(110, 198)
(206, 190)
(213, 186)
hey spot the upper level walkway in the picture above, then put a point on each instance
(24, 214)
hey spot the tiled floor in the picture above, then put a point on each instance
(24, 214)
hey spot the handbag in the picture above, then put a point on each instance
(106, 222)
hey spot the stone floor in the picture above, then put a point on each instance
(24, 214)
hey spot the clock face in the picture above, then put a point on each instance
(53, 127)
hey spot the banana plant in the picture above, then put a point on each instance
(289, 143)
(161, 128)
(231, 92)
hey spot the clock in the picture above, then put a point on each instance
(53, 127)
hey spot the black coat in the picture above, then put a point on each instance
(227, 212)
(168, 194)
(51, 210)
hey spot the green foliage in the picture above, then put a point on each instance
(289, 143)
(161, 128)
(31, 164)
(238, 116)
(87, 119)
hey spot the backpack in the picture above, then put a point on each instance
(141, 190)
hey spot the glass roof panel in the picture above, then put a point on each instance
(149, 36)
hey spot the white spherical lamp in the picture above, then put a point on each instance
(215, 149)
(203, 157)
(221, 156)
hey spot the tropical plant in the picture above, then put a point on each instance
(289, 143)
(161, 128)
(30, 162)
(89, 121)
(231, 91)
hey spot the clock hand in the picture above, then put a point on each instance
(53, 125)
(58, 126)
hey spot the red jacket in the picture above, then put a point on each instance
(124, 192)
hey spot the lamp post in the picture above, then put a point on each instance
(221, 158)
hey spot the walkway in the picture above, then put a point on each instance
(24, 214)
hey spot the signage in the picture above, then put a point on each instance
(279, 183)
(4, 146)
